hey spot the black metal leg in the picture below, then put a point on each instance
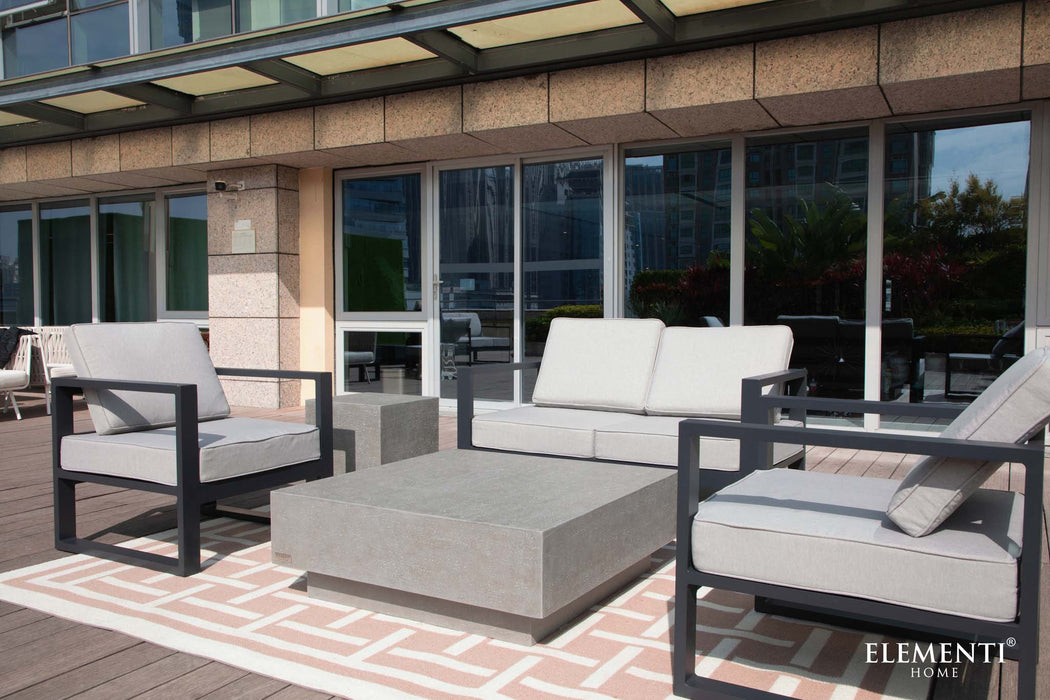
(684, 652)
(189, 520)
(65, 513)
(1027, 666)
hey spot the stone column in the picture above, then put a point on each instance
(317, 288)
(253, 279)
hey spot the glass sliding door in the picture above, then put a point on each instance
(476, 268)
(186, 254)
(16, 266)
(125, 244)
(806, 198)
(954, 264)
(65, 263)
(677, 210)
(562, 275)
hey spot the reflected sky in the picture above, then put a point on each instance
(996, 151)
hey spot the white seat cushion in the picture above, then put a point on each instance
(229, 447)
(829, 533)
(1012, 409)
(654, 440)
(61, 371)
(475, 320)
(143, 352)
(489, 342)
(565, 432)
(13, 379)
(358, 357)
(600, 364)
(699, 370)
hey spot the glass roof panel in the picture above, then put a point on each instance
(360, 56)
(692, 7)
(215, 81)
(8, 119)
(91, 102)
(563, 21)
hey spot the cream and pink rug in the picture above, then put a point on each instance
(246, 612)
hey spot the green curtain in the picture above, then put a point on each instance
(24, 313)
(373, 274)
(124, 265)
(187, 275)
(65, 255)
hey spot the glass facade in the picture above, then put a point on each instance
(476, 220)
(186, 263)
(676, 236)
(174, 22)
(382, 254)
(806, 199)
(955, 251)
(65, 263)
(16, 266)
(388, 362)
(260, 14)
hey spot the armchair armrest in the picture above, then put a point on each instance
(322, 397)
(465, 396)
(187, 453)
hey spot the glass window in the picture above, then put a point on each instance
(186, 267)
(65, 263)
(100, 34)
(677, 211)
(35, 48)
(955, 256)
(16, 267)
(260, 14)
(352, 5)
(124, 244)
(382, 249)
(561, 247)
(174, 22)
(805, 253)
(476, 219)
(388, 362)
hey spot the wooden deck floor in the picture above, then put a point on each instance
(50, 658)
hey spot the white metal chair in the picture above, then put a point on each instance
(54, 358)
(15, 376)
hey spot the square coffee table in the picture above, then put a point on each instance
(510, 546)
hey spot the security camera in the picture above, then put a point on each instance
(220, 186)
(223, 186)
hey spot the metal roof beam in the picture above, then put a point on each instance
(156, 95)
(49, 114)
(288, 74)
(449, 47)
(656, 16)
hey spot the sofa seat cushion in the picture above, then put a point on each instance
(699, 370)
(228, 447)
(598, 364)
(829, 533)
(566, 432)
(13, 379)
(654, 440)
(481, 342)
(1012, 410)
(143, 352)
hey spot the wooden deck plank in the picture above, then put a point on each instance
(248, 687)
(29, 664)
(294, 692)
(34, 631)
(94, 674)
(145, 678)
(204, 680)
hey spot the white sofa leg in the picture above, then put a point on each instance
(14, 404)
(47, 397)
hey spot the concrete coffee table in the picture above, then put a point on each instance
(505, 545)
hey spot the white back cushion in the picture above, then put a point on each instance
(475, 320)
(601, 364)
(698, 370)
(145, 352)
(1012, 409)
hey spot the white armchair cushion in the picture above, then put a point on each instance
(1012, 409)
(144, 352)
(600, 364)
(229, 447)
(699, 370)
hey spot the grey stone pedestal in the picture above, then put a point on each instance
(506, 545)
(373, 429)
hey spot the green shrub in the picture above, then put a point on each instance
(537, 327)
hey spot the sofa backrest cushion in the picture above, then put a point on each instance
(1012, 409)
(699, 370)
(599, 364)
(148, 352)
(475, 320)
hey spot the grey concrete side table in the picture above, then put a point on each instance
(372, 429)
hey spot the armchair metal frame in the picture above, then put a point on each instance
(1024, 629)
(753, 409)
(193, 498)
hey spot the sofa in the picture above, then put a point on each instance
(475, 340)
(616, 390)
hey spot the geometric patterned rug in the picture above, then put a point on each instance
(245, 611)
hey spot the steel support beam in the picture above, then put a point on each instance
(156, 95)
(284, 72)
(47, 113)
(448, 47)
(656, 16)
